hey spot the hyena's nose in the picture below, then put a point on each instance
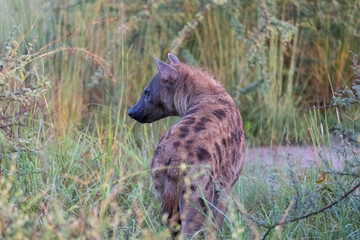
(131, 113)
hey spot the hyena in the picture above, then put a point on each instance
(199, 159)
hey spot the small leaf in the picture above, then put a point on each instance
(322, 178)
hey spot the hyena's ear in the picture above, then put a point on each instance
(167, 72)
(172, 58)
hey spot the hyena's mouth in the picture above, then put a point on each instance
(142, 120)
(138, 117)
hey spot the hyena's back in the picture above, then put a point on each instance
(203, 151)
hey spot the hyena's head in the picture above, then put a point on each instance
(157, 101)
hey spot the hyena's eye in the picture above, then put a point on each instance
(147, 93)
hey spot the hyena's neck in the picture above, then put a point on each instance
(194, 86)
(185, 103)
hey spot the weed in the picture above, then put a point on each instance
(74, 166)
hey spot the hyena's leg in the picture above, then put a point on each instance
(218, 209)
(194, 212)
(168, 193)
(170, 207)
(193, 204)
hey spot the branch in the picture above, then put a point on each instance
(21, 93)
(265, 13)
(344, 174)
(248, 219)
(16, 116)
(185, 32)
(332, 106)
(313, 213)
(6, 126)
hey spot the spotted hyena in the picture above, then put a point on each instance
(199, 159)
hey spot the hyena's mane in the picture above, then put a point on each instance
(192, 84)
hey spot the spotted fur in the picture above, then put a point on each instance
(200, 158)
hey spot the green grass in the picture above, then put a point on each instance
(291, 57)
(74, 186)
(80, 168)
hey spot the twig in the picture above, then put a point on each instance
(314, 213)
(343, 174)
(27, 33)
(19, 93)
(331, 106)
(242, 210)
(185, 32)
(60, 39)
(264, 33)
(87, 54)
(320, 107)
(76, 31)
(265, 13)
(283, 218)
(5, 126)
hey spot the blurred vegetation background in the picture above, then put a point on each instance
(274, 59)
(72, 162)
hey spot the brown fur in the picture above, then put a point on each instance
(204, 150)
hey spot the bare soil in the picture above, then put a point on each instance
(302, 156)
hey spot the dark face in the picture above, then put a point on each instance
(157, 101)
(150, 106)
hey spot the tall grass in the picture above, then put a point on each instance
(83, 185)
(75, 166)
(290, 55)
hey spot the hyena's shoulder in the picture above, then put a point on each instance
(198, 134)
(179, 143)
(167, 147)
